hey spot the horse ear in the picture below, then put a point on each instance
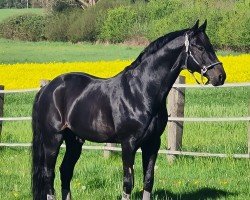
(195, 27)
(203, 27)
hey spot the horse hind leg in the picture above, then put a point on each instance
(72, 154)
(45, 151)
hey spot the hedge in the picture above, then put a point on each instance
(28, 27)
(119, 21)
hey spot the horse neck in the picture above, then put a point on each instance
(157, 73)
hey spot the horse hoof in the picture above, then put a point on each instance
(51, 197)
(66, 195)
(146, 195)
(125, 196)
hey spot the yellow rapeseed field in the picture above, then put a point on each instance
(28, 75)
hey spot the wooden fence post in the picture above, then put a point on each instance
(1, 108)
(107, 153)
(175, 105)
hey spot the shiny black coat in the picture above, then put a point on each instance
(129, 108)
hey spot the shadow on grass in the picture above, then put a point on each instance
(200, 194)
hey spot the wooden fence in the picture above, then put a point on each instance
(176, 99)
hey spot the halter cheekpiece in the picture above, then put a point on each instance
(204, 68)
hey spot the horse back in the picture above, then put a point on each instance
(78, 101)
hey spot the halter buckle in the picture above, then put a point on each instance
(203, 70)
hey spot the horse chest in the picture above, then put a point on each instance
(156, 126)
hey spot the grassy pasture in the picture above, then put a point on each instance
(14, 52)
(98, 178)
(188, 178)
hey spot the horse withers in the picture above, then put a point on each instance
(129, 108)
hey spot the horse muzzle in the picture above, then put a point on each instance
(216, 75)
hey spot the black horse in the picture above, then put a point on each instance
(129, 108)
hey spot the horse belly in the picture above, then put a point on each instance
(93, 123)
(99, 132)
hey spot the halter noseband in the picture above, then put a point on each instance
(204, 68)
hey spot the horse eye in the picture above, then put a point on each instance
(200, 48)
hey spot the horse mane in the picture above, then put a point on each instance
(155, 46)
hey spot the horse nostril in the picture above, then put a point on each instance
(221, 78)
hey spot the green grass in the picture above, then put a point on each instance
(14, 52)
(5, 13)
(98, 178)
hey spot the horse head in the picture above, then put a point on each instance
(201, 56)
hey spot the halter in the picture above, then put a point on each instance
(204, 68)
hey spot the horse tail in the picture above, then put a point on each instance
(38, 154)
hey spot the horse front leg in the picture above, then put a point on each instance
(128, 157)
(149, 155)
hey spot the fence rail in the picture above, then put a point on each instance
(19, 91)
(226, 85)
(161, 151)
(171, 119)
